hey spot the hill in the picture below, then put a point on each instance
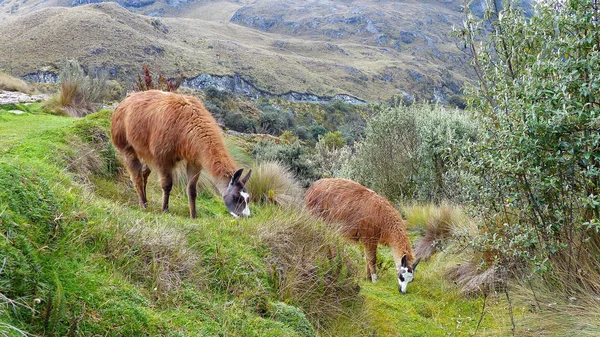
(370, 50)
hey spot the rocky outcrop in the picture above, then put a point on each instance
(236, 84)
(41, 77)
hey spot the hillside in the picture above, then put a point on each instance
(369, 49)
(80, 258)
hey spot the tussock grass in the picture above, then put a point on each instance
(79, 94)
(11, 83)
(152, 252)
(273, 183)
(554, 314)
(439, 224)
(309, 265)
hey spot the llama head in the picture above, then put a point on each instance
(236, 197)
(406, 274)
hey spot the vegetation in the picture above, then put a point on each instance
(146, 82)
(11, 83)
(409, 153)
(79, 94)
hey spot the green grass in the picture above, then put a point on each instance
(81, 253)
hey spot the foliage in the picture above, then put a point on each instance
(331, 160)
(408, 153)
(332, 140)
(227, 110)
(538, 161)
(292, 316)
(145, 81)
(274, 121)
(295, 156)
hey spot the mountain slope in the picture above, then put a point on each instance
(368, 49)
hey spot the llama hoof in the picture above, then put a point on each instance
(373, 278)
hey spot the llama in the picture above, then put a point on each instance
(155, 129)
(364, 217)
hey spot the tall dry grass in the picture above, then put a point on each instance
(310, 265)
(273, 183)
(11, 83)
(551, 313)
(79, 94)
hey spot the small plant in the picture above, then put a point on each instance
(80, 94)
(145, 81)
(273, 183)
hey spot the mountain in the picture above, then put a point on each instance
(369, 49)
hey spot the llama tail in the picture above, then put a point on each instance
(438, 229)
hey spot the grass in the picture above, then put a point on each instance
(11, 83)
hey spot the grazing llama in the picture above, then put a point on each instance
(155, 129)
(365, 217)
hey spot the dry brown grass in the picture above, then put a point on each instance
(199, 44)
(552, 313)
(11, 83)
(310, 266)
(440, 224)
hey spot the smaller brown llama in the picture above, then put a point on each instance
(155, 129)
(366, 217)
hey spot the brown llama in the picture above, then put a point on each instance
(155, 129)
(365, 217)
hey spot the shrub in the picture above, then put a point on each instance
(538, 161)
(332, 140)
(274, 121)
(145, 81)
(273, 183)
(294, 156)
(409, 153)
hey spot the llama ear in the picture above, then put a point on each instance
(403, 262)
(236, 177)
(414, 266)
(245, 179)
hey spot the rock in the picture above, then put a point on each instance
(13, 97)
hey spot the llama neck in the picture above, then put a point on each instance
(400, 244)
(211, 154)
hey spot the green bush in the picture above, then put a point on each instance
(408, 153)
(538, 159)
(295, 156)
(274, 120)
(292, 317)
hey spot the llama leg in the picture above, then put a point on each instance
(145, 173)
(166, 180)
(371, 257)
(193, 173)
(135, 168)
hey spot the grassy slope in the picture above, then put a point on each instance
(107, 35)
(90, 257)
